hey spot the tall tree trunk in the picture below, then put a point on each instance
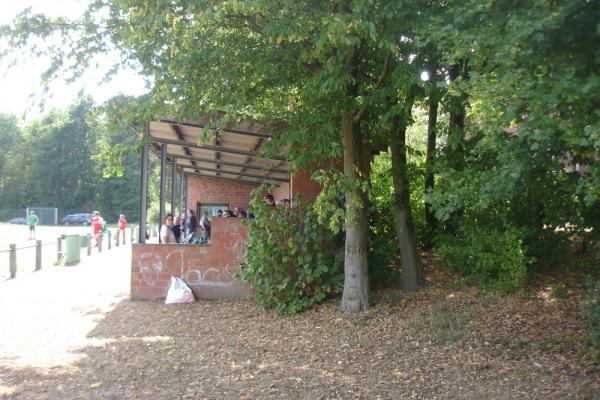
(355, 297)
(456, 123)
(456, 135)
(430, 221)
(411, 275)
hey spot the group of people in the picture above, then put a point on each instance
(269, 199)
(186, 228)
(99, 226)
(235, 213)
(183, 229)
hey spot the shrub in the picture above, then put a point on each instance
(292, 261)
(491, 259)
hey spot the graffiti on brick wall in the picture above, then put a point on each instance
(150, 266)
(233, 237)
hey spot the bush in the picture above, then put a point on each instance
(490, 259)
(292, 262)
(591, 308)
(548, 248)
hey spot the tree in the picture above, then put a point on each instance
(10, 136)
(313, 65)
(529, 149)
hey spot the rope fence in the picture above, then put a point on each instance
(22, 258)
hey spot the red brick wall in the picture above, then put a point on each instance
(305, 187)
(217, 191)
(207, 270)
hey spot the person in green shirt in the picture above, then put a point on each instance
(32, 220)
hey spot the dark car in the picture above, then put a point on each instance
(84, 219)
(17, 220)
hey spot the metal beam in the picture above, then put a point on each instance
(236, 173)
(181, 191)
(143, 188)
(270, 172)
(185, 191)
(215, 148)
(229, 163)
(180, 137)
(163, 183)
(256, 147)
(220, 178)
(173, 185)
(236, 131)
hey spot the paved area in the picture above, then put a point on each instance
(47, 314)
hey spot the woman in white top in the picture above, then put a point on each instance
(166, 233)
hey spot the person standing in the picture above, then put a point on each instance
(205, 223)
(190, 223)
(122, 226)
(177, 229)
(97, 223)
(166, 231)
(32, 220)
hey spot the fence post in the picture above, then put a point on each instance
(109, 235)
(58, 249)
(13, 261)
(117, 237)
(131, 238)
(100, 242)
(89, 244)
(38, 255)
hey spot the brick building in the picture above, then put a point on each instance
(214, 167)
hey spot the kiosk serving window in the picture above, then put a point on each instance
(212, 208)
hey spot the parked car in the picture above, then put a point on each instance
(84, 219)
(17, 220)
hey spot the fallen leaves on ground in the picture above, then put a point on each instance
(435, 343)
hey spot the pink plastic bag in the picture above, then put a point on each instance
(179, 292)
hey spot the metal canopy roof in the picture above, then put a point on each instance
(231, 153)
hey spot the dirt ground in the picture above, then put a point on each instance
(72, 333)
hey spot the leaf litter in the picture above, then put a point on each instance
(435, 343)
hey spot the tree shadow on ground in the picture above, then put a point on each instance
(234, 350)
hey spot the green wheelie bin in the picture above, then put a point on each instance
(72, 249)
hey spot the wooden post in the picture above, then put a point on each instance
(132, 236)
(100, 242)
(109, 243)
(58, 249)
(13, 261)
(89, 244)
(38, 255)
(117, 238)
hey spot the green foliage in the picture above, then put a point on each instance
(527, 157)
(329, 204)
(383, 243)
(492, 259)
(591, 309)
(55, 161)
(292, 261)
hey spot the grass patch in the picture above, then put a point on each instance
(439, 324)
